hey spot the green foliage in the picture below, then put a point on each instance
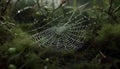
(5, 31)
(13, 49)
(22, 4)
(11, 66)
(20, 41)
(109, 36)
(101, 49)
(86, 66)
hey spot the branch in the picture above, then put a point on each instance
(6, 7)
(117, 9)
(102, 54)
(111, 5)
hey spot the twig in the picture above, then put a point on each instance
(6, 7)
(117, 9)
(111, 5)
(102, 54)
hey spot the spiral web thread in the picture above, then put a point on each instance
(68, 35)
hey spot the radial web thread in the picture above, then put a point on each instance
(63, 35)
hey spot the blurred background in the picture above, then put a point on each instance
(20, 20)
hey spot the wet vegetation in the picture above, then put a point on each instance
(20, 19)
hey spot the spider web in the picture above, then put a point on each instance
(69, 34)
